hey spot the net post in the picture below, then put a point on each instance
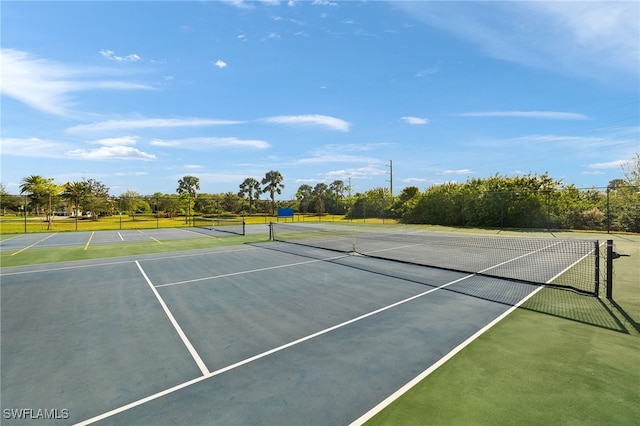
(244, 226)
(609, 261)
(271, 231)
(597, 269)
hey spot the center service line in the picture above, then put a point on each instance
(185, 340)
(86, 246)
(258, 356)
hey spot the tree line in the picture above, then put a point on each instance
(528, 201)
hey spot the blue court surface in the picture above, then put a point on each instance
(258, 334)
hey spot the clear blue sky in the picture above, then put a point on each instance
(139, 94)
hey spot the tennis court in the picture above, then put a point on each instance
(270, 333)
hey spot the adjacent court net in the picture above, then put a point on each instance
(570, 264)
(231, 225)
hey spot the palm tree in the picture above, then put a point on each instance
(337, 188)
(304, 196)
(319, 193)
(273, 184)
(42, 191)
(251, 188)
(34, 187)
(187, 187)
(75, 192)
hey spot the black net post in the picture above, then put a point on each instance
(609, 269)
(597, 271)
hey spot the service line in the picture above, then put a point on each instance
(86, 246)
(34, 244)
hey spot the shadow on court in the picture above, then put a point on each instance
(587, 310)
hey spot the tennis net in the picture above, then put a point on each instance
(572, 264)
(231, 225)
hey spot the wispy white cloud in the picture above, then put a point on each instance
(328, 122)
(119, 148)
(347, 153)
(414, 180)
(240, 4)
(131, 173)
(111, 153)
(121, 141)
(148, 123)
(366, 172)
(590, 39)
(205, 143)
(110, 54)
(272, 36)
(616, 164)
(456, 172)
(551, 115)
(414, 120)
(48, 86)
(33, 147)
(428, 71)
(336, 158)
(220, 63)
(352, 147)
(323, 3)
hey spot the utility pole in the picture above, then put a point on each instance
(391, 177)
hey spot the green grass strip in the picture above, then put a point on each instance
(99, 251)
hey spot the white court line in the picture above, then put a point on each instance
(549, 281)
(120, 235)
(519, 257)
(268, 268)
(185, 339)
(404, 389)
(262, 355)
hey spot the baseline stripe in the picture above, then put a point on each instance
(185, 339)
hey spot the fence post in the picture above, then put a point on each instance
(608, 212)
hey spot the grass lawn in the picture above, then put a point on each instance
(10, 225)
(561, 358)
